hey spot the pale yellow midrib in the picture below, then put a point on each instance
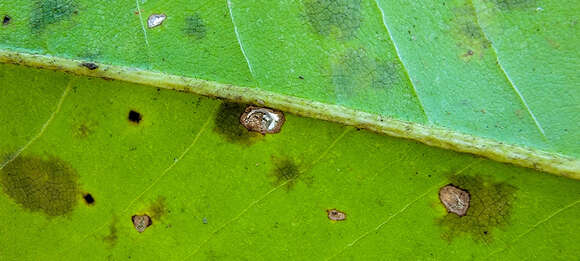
(435, 136)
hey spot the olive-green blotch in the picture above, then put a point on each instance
(339, 18)
(49, 186)
(47, 12)
(489, 209)
(286, 171)
(195, 26)
(227, 124)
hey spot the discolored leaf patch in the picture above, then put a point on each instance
(506, 5)
(49, 186)
(47, 12)
(158, 209)
(227, 124)
(489, 209)
(286, 172)
(358, 74)
(195, 26)
(469, 35)
(339, 18)
(111, 238)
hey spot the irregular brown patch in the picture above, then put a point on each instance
(335, 215)
(39, 184)
(141, 222)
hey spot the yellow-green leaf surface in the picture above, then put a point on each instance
(494, 78)
(214, 191)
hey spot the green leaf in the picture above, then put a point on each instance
(494, 78)
(213, 190)
(84, 159)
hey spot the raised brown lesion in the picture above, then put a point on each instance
(335, 214)
(262, 120)
(454, 199)
(141, 222)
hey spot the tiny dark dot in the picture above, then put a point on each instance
(90, 66)
(135, 116)
(89, 198)
(301, 77)
(485, 232)
(6, 20)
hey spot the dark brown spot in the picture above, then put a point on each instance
(141, 222)
(262, 120)
(135, 117)
(335, 214)
(90, 66)
(6, 20)
(454, 199)
(89, 199)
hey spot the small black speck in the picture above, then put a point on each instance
(6, 20)
(90, 66)
(89, 199)
(301, 77)
(485, 232)
(135, 116)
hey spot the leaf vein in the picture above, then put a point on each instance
(255, 202)
(384, 19)
(364, 235)
(44, 126)
(229, 4)
(506, 75)
(532, 228)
